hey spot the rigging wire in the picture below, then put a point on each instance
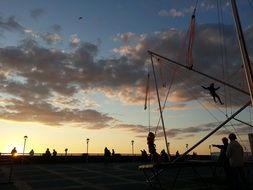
(167, 95)
(223, 49)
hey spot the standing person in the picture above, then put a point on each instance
(235, 155)
(14, 152)
(54, 153)
(164, 156)
(31, 153)
(107, 155)
(223, 159)
(212, 91)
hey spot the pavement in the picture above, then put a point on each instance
(100, 176)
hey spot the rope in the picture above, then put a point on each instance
(191, 34)
(167, 95)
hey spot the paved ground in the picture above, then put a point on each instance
(93, 176)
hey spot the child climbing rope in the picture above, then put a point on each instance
(151, 146)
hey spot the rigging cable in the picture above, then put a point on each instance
(167, 95)
(223, 50)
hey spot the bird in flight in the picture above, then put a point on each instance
(80, 18)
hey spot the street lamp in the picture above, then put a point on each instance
(132, 147)
(25, 137)
(168, 144)
(87, 141)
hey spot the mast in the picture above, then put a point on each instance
(243, 49)
(160, 107)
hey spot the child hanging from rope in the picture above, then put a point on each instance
(151, 147)
(212, 91)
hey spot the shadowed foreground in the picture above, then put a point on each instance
(112, 176)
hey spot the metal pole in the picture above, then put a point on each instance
(244, 52)
(25, 137)
(243, 122)
(132, 147)
(160, 108)
(212, 132)
(196, 71)
(87, 141)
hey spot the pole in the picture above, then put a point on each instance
(132, 147)
(25, 137)
(196, 71)
(212, 132)
(160, 108)
(243, 49)
(87, 141)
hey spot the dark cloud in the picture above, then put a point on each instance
(10, 24)
(36, 13)
(45, 72)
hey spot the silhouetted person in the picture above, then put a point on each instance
(47, 153)
(107, 155)
(66, 151)
(235, 155)
(212, 91)
(144, 155)
(164, 156)
(177, 154)
(223, 159)
(54, 153)
(31, 153)
(152, 147)
(113, 155)
(14, 152)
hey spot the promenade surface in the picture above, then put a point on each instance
(100, 176)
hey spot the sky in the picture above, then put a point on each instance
(77, 70)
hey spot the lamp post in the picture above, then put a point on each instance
(87, 141)
(25, 137)
(132, 147)
(168, 144)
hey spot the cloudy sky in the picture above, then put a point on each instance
(72, 70)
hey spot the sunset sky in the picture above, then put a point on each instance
(72, 70)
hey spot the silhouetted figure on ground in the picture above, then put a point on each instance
(223, 159)
(152, 147)
(13, 152)
(177, 154)
(47, 153)
(235, 155)
(113, 155)
(144, 155)
(54, 153)
(164, 156)
(212, 91)
(31, 153)
(66, 151)
(107, 155)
